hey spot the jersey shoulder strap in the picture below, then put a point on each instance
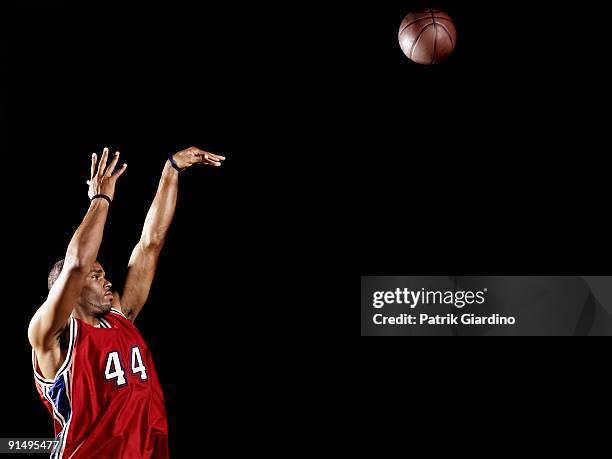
(118, 312)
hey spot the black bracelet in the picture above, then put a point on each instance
(171, 159)
(103, 196)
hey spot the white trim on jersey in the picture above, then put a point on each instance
(64, 433)
(117, 311)
(67, 386)
(63, 372)
(70, 346)
(104, 324)
(40, 378)
(64, 436)
(56, 414)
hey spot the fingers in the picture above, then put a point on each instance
(212, 159)
(103, 159)
(94, 160)
(215, 157)
(119, 171)
(211, 162)
(102, 170)
(206, 157)
(111, 166)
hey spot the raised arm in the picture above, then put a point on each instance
(51, 318)
(143, 261)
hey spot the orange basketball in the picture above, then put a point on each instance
(427, 36)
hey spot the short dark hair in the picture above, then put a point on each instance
(54, 273)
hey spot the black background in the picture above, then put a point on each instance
(493, 160)
(149, 80)
(344, 159)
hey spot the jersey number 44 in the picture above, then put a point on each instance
(114, 370)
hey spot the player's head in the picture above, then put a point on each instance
(96, 297)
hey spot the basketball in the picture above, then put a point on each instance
(427, 36)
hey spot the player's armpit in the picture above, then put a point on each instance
(118, 305)
(140, 273)
(49, 355)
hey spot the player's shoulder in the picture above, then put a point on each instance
(118, 313)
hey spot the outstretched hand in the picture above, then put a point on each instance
(102, 180)
(193, 155)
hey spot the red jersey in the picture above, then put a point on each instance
(106, 400)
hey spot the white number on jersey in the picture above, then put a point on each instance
(112, 362)
(137, 365)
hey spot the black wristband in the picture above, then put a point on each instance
(103, 196)
(171, 159)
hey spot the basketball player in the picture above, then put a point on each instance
(92, 368)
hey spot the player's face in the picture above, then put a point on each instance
(97, 294)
